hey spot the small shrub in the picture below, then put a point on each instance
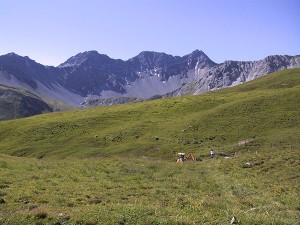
(70, 204)
(95, 201)
(41, 215)
(38, 213)
(32, 207)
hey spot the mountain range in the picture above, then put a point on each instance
(90, 78)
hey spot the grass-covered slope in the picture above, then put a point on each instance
(119, 165)
(264, 113)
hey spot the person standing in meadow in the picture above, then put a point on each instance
(212, 153)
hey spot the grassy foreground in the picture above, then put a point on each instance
(142, 191)
(116, 165)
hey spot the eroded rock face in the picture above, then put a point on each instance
(231, 73)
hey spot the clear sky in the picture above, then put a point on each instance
(51, 31)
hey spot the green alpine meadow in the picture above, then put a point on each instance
(117, 164)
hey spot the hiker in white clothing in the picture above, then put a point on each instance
(212, 153)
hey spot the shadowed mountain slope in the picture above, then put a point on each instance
(16, 103)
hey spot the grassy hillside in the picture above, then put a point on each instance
(116, 165)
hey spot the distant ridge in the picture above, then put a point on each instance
(92, 77)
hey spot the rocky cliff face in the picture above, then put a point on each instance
(90, 76)
(231, 73)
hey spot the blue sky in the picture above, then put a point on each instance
(51, 31)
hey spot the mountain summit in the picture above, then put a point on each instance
(81, 58)
(152, 60)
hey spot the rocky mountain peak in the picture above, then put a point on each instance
(197, 53)
(92, 57)
(198, 58)
(15, 58)
(24, 69)
(12, 54)
(148, 60)
(24, 64)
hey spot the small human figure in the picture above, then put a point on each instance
(182, 159)
(212, 153)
